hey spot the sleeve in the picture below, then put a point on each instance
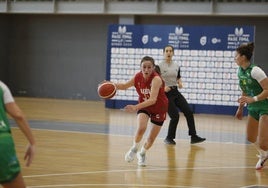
(258, 74)
(179, 73)
(8, 98)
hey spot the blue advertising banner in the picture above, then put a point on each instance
(205, 55)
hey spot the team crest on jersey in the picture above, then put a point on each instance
(2, 124)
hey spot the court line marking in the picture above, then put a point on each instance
(121, 185)
(92, 128)
(78, 132)
(124, 185)
(134, 170)
(255, 186)
(127, 170)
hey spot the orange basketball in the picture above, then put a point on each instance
(107, 90)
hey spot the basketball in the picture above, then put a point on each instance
(107, 90)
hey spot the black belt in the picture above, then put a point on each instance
(173, 87)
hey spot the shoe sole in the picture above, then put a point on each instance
(198, 142)
(129, 160)
(142, 165)
(169, 143)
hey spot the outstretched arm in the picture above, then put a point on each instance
(126, 85)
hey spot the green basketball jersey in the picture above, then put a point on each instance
(250, 86)
(4, 123)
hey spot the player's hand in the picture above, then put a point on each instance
(245, 100)
(130, 108)
(239, 114)
(29, 154)
(167, 89)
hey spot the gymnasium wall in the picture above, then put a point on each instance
(4, 48)
(57, 56)
(64, 56)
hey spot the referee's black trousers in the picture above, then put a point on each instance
(176, 102)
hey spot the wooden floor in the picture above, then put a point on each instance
(82, 144)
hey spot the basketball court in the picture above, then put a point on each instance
(82, 144)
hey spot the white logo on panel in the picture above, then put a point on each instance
(178, 30)
(157, 39)
(145, 39)
(215, 40)
(239, 32)
(203, 40)
(179, 39)
(121, 37)
(236, 38)
(122, 29)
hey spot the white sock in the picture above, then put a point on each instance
(135, 145)
(143, 150)
(261, 152)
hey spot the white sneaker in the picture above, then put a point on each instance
(141, 159)
(262, 160)
(129, 157)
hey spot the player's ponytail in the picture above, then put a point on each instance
(157, 69)
(251, 46)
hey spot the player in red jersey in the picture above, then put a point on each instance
(153, 104)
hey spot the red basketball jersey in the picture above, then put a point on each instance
(143, 88)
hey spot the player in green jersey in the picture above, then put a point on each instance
(254, 85)
(10, 172)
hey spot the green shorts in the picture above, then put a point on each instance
(9, 164)
(257, 113)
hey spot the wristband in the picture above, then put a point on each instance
(255, 98)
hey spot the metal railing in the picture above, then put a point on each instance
(138, 7)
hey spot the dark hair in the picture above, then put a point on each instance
(157, 69)
(148, 58)
(168, 46)
(246, 50)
